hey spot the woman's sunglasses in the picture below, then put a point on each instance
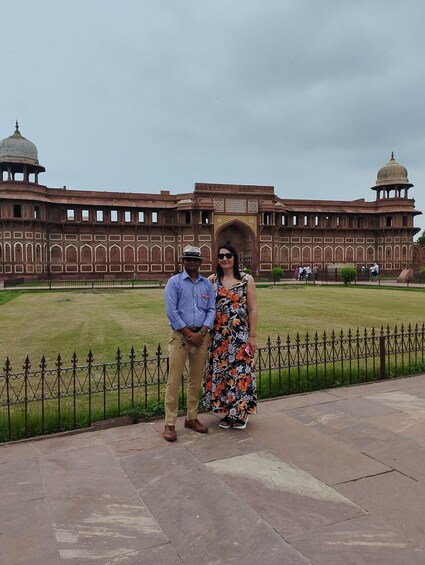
(225, 255)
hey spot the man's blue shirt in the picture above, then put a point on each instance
(189, 303)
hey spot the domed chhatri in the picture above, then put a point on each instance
(19, 155)
(18, 149)
(392, 181)
(392, 173)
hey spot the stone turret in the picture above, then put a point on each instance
(19, 159)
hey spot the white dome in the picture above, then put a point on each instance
(17, 149)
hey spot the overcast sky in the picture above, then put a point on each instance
(310, 96)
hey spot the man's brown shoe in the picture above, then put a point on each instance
(196, 426)
(170, 433)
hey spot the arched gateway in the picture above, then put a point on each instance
(242, 237)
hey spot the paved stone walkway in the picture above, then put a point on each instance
(329, 478)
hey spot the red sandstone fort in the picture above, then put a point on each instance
(58, 233)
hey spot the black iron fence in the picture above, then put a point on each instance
(57, 284)
(42, 399)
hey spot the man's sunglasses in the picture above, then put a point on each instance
(225, 255)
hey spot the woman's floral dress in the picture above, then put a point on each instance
(230, 380)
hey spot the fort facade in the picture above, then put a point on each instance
(60, 233)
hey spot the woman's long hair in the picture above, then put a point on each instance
(233, 251)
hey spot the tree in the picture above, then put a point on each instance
(277, 273)
(347, 274)
(421, 239)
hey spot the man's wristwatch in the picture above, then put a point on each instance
(203, 333)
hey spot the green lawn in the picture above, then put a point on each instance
(48, 323)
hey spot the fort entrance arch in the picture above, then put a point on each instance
(243, 238)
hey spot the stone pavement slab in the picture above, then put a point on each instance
(203, 518)
(96, 513)
(362, 407)
(26, 532)
(327, 459)
(362, 436)
(394, 498)
(361, 541)
(287, 497)
(333, 477)
(405, 456)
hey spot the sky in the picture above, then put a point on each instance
(310, 96)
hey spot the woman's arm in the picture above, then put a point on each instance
(251, 297)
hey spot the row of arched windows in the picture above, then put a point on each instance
(100, 254)
(329, 254)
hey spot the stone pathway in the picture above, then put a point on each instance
(335, 477)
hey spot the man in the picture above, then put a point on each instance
(374, 270)
(190, 307)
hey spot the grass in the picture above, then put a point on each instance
(46, 323)
(6, 296)
(49, 323)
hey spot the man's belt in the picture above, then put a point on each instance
(197, 329)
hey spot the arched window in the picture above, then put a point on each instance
(71, 254)
(156, 255)
(142, 254)
(86, 254)
(115, 254)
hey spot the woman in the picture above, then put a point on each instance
(229, 385)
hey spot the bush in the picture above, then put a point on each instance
(347, 274)
(277, 273)
(422, 272)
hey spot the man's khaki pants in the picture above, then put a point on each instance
(179, 351)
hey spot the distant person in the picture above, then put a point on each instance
(230, 387)
(374, 270)
(316, 272)
(190, 307)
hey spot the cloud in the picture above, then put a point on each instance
(309, 96)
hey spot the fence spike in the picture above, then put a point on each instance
(27, 364)
(7, 366)
(58, 362)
